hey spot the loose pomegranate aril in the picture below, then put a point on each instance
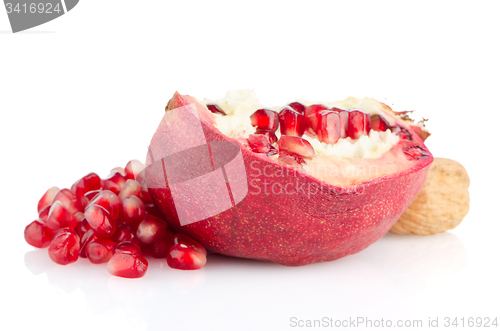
(37, 234)
(311, 113)
(329, 126)
(131, 187)
(100, 220)
(68, 199)
(414, 152)
(91, 195)
(298, 107)
(99, 251)
(359, 124)
(44, 213)
(161, 248)
(127, 247)
(109, 201)
(259, 143)
(292, 123)
(60, 217)
(215, 109)
(65, 247)
(47, 198)
(269, 134)
(295, 146)
(185, 258)
(133, 169)
(114, 182)
(85, 239)
(82, 227)
(378, 123)
(182, 239)
(125, 232)
(132, 210)
(90, 182)
(127, 265)
(151, 230)
(265, 119)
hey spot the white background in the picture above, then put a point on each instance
(85, 93)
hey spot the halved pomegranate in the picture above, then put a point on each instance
(329, 193)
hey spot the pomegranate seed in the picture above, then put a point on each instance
(99, 251)
(133, 169)
(47, 198)
(185, 258)
(86, 238)
(145, 196)
(298, 107)
(344, 121)
(265, 119)
(182, 239)
(127, 265)
(127, 247)
(402, 133)
(60, 217)
(82, 227)
(296, 146)
(101, 221)
(160, 249)
(292, 123)
(328, 128)
(359, 124)
(131, 187)
(152, 230)
(269, 134)
(215, 109)
(114, 182)
(311, 113)
(132, 210)
(109, 201)
(44, 213)
(64, 247)
(259, 143)
(91, 195)
(90, 182)
(121, 170)
(378, 123)
(37, 234)
(125, 232)
(68, 199)
(415, 152)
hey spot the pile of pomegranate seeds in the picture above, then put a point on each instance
(111, 220)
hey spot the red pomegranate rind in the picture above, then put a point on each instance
(60, 217)
(101, 221)
(182, 239)
(127, 247)
(265, 119)
(359, 124)
(292, 123)
(378, 123)
(329, 124)
(298, 107)
(185, 258)
(37, 234)
(295, 146)
(99, 251)
(215, 109)
(65, 247)
(127, 265)
(311, 113)
(47, 198)
(307, 222)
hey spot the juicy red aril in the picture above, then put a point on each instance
(344, 121)
(65, 247)
(131, 187)
(127, 247)
(328, 129)
(85, 239)
(151, 230)
(132, 210)
(109, 201)
(99, 251)
(415, 152)
(114, 182)
(161, 248)
(265, 119)
(133, 169)
(100, 220)
(60, 217)
(47, 198)
(90, 182)
(68, 199)
(91, 195)
(260, 143)
(298, 107)
(44, 213)
(124, 232)
(152, 210)
(295, 146)
(127, 265)
(269, 135)
(378, 123)
(402, 133)
(37, 234)
(311, 113)
(185, 258)
(182, 239)
(359, 124)
(82, 227)
(292, 123)
(215, 109)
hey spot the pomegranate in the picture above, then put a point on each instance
(325, 194)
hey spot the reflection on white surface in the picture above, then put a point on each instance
(385, 277)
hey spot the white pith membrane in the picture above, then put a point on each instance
(344, 163)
